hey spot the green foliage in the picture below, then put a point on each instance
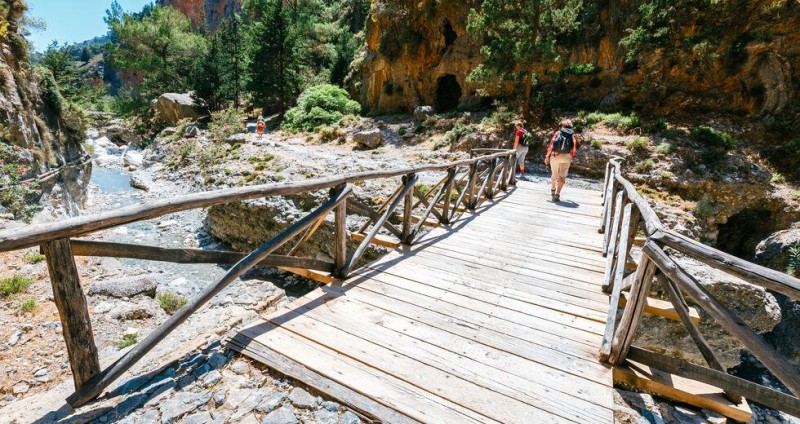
(638, 145)
(28, 305)
(657, 126)
(665, 148)
(793, 266)
(500, 118)
(225, 123)
(171, 302)
(704, 209)
(596, 143)
(455, 134)
(709, 137)
(218, 75)
(401, 131)
(14, 284)
(612, 120)
(275, 58)
(796, 195)
(127, 340)
(330, 132)
(33, 257)
(777, 178)
(319, 105)
(423, 188)
(16, 195)
(579, 69)
(644, 166)
(392, 43)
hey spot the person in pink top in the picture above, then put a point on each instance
(562, 148)
(522, 139)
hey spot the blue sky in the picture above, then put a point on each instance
(73, 20)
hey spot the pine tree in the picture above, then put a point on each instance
(273, 66)
(517, 35)
(234, 39)
(208, 77)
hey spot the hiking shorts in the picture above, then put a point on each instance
(522, 151)
(559, 166)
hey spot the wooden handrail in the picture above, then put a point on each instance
(36, 234)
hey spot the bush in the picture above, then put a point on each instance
(171, 302)
(796, 195)
(225, 123)
(704, 209)
(14, 284)
(712, 138)
(777, 178)
(644, 166)
(401, 131)
(33, 257)
(596, 144)
(638, 145)
(665, 148)
(330, 132)
(611, 120)
(127, 340)
(501, 117)
(793, 267)
(657, 127)
(319, 105)
(28, 305)
(454, 135)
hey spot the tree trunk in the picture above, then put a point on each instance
(526, 101)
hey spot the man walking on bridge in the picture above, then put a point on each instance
(560, 152)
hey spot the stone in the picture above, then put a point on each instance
(104, 307)
(40, 373)
(133, 158)
(136, 311)
(173, 107)
(238, 138)
(271, 402)
(149, 417)
(248, 405)
(181, 404)
(202, 417)
(20, 388)
(192, 131)
(369, 138)
(168, 131)
(421, 113)
(713, 417)
(211, 378)
(282, 415)
(330, 406)
(217, 360)
(240, 367)
(219, 396)
(323, 416)
(773, 251)
(139, 184)
(125, 286)
(120, 135)
(236, 397)
(302, 399)
(15, 336)
(349, 418)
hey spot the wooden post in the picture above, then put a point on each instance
(616, 289)
(513, 177)
(610, 250)
(448, 192)
(340, 234)
(473, 176)
(489, 190)
(623, 336)
(408, 203)
(72, 310)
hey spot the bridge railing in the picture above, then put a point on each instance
(464, 186)
(625, 214)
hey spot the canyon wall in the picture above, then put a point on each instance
(208, 14)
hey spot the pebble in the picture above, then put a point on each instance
(323, 416)
(282, 415)
(219, 396)
(212, 378)
(14, 338)
(131, 331)
(302, 399)
(40, 373)
(103, 307)
(271, 402)
(330, 406)
(181, 404)
(198, 418)
(350, 418)
(713, 417)
(240, 367)
(20, 388)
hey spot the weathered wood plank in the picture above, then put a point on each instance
(76, 325)
(377, 240)
(632, 314)
(661, 308)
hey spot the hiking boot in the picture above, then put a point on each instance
(553, 196)
(557, 197)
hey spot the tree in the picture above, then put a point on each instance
(235, 39)
(274, 79)
(519, 35)
(208, 77)
(158, 45)
(57, 59)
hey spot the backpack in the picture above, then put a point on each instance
(564, 143)
(526, 138)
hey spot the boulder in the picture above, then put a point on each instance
(133, 158)
(125, 287)
(773, 251)
(138, 184)
(191, 131)
(119, 134)
(172, 107)
(369, 138)
(421, 113)
(238, 138)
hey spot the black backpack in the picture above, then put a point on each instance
(564, 143)
(526, 138)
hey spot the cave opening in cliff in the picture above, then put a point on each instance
(449, 33)
(740, 235)
(448, 93)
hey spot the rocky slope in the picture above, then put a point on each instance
(207, 14)
(39, 131)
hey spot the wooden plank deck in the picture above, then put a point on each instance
(497, 318)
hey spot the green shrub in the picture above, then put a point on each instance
(638, 145)
(712, 138)
(611, 120)
(16, 195)
(454, 135)
(225, 123)
(33, 257)
(644, 166)
(596, 144)
(657, 127)
(126, 340)
(319, 105)
(796, 195)
(14, 284)
(582, 69)
(665, 148)
(793, 266)
(401, 131)
(777, 178)
(667, 175)
(501, 117)
(423, 189)
(704, 209)
(171, 302)
(27, 305)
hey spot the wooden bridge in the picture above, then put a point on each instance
(497, 305)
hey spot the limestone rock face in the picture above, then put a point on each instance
(773, 252)
(172, 107)
(210, 13)
(418, 53)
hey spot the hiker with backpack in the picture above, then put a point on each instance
(522, 141)
(562, 148)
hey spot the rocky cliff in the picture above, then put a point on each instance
(208, 14)
(40, 132)
(732, 57)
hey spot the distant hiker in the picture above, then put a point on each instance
(563, 146)
(260, 126)
(522, 141)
